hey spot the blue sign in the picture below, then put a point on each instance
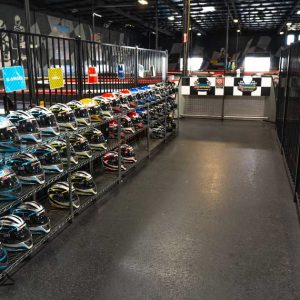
(14, 79)
(121, 71)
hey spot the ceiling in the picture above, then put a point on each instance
(253, 15)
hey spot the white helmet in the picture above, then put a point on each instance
(81, 113)
(83, 183)
(46, 120)
(14, 234)
(27, 126)
(65, 116)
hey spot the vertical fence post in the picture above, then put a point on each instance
(136, 66)
(119, 151)
(148, 130)
(80, 65)
(297, 170)
(69, 176)
(286, 96)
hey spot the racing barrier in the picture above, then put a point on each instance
(89, 68)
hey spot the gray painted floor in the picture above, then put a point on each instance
(211, 217)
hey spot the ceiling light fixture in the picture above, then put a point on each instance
(238, 30)
(288, 23)
(190, 28)
(199, 33)
(143, 2)
(171, 18)
(235, 20)
(281, 32)
(208, 9)
(298, 12)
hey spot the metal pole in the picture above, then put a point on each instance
(27, 15)
(165, 113)
(227, 40)
(156, 24)
(79, 67)
(148, 130)
(136, 66)
(119, 151)
(236, 49)
(69, 177)
(297, 171)
(186, 26)
(286, 96)
(93, 38)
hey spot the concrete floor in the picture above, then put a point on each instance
(211, 217)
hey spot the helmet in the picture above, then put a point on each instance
(136, 119)
(10, 186)
(83, 183)
(81, 113)
(125, 92)
(28, 168)
(127, 124)
(3, 258)
(34, 215)
(96, 139)
(9, 136)
(14, 234)
(93, 108)
(111, 161)
(157, 132)
(114, 101)
(128, 154)
(46, 120)
(64, 116)
(171, 124)
(81, 145)
(49, 158)
(59, 195)
(113, 129)
(27, 126)
(61, 147)
(107, 112)
(143, 113)
(124, 103)
(109, 96)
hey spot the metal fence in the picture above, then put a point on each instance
(288, 110)
(37, 53)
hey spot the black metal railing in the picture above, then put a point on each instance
(288, 111)
(37, 53)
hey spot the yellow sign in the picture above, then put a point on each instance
(56, 78)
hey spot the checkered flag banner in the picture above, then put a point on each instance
(228, 86)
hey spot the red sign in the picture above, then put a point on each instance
(92, 75)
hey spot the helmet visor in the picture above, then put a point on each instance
(47, 121)
(97, 138)
(105, 107)
(81, 113)
(82, 146)
(94, 110)
(8, 134)
(10, 183)
(66, 117)
(31, 169)
(84, 184)
(20, 234)
(28, 126)
(39, 218)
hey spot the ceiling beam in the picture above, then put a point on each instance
(288, 15)
(173, 6)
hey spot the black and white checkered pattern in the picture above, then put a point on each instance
(232, 85)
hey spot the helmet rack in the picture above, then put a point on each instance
(144, 146)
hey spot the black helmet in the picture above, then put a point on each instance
(58, 195)
(83, 183)
(128, 154)
(157, 132)
(35, 217)
(14, 234)
(81, 145)
(49, 158)
(95, 139)
(28, 168)
(10, 186)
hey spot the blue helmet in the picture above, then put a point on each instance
(3, 258)
(9, 136)
(134, 90)
(10, 186)
(28, 168)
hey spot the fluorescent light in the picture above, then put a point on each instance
(190, 28)
(235, 20)
(143, 2)
(171, 18)
(289, 24)
(298, 12)
(97, 15)
(290, 39)
(208, 9)
(238, 30)
(257, 64)
(281, 32)
(199, 33)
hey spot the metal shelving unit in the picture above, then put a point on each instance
(104, 181)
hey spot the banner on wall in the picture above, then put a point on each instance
(14, 79)
(152, 71)
(121, 71)
(141, 71)
(92, 75)
(56, 78)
